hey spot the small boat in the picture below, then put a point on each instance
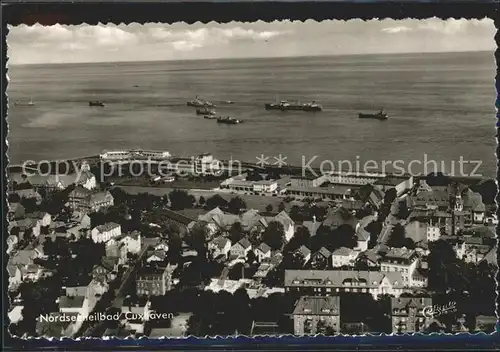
(29, 103)
(210, 117)
(228, 120)
(96, 103)
(381, 115)
(205, 111)
(200, 103)
(229, 102)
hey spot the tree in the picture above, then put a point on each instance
(301, 237)
(235, 232)
(174, 247)
(201, 201)
(197, 238)
(403, 211)
(295, 213)
(269, 208)
(397, 236)
(180, 199)
(390, 196)
(444, 267)
(236, 204)
(374, 228)
(14, 198)
(342, 236)
(281, 207)
(251, 257)
(216, 201)
(274, 235)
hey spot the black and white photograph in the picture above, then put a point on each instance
(251, 178)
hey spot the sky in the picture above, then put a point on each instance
(180, 41)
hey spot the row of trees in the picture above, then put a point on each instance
(181, 199)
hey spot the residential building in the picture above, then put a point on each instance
(33, 272)
(321, 259)
(104, 233)
(15, 276)
(133, 242)
(344, 256)
(370, 257)
(416, 230)
(116, 249)
(153, 281)
(329, 282)
(161, 245)
(216, 221)
(401, 260)
(241, 248)
(251, 220)
(304, 253)
(25, 257)
(28, 194)
(219, 246)
(106, 271)
(26, 225)
(84, 200)
(11, 243)
(262, 252)
(44, 219)
(77, 305)
(407, 314)
(286, 221)
(16, 211)
(135, 313)
(315, 315)
(433, 200)
(362, 235)
(158, 255)
(56, 182)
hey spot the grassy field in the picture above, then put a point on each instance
(253, 202)
(179, 184)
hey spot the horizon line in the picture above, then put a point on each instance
(248, 58)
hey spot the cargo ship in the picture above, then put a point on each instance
(228, 120)
(199, 103)
(205, 111)
(285, 105)
(96, 103)
(381, 115)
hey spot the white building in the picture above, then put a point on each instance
(132, 242)
(331, 282)
(401, 260)
(104, 233)
(219, 246)
(262, 251)
(344, 257)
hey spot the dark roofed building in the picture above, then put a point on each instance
(408, 314)
(153, 281)
(316, 315)
(328, 282)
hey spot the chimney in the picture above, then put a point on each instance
(314, 218)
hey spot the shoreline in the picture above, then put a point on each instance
(94, 160)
